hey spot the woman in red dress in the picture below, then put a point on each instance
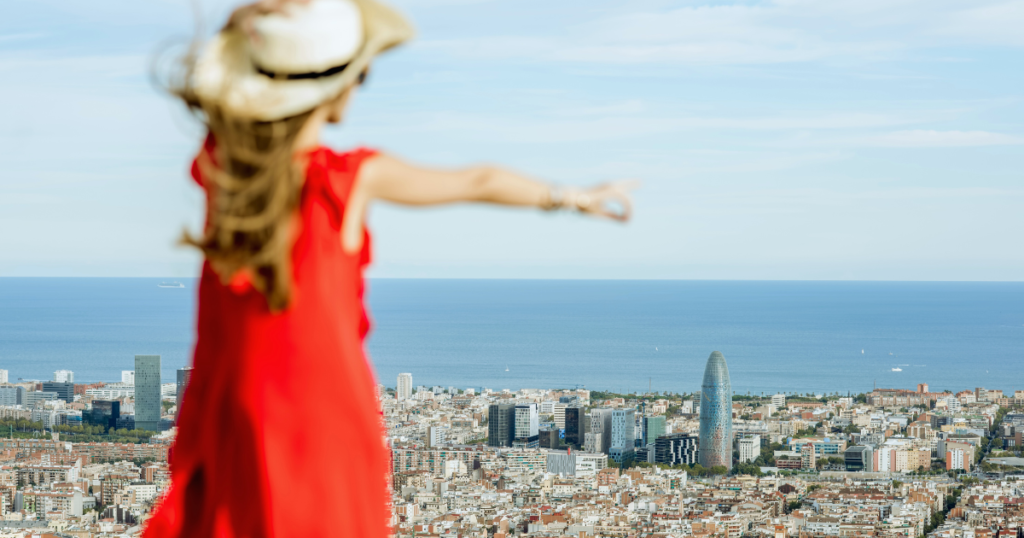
(280, 434)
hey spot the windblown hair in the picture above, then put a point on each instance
(254, 185)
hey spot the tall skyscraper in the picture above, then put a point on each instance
(63, 376)
(599, 438)
(501, 424)
(184, 374)
(623, 435)
(3, 376)
(527, 427)
(147, 392)
(403, 391)
(575, 426)
(716, 414)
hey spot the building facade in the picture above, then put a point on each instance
(653, 428)
(576, 426)
(716, 414)
(623, 435)
(859, 458)
(104, 413)
(403, 390)
(749, 448)
(65, 390)
(12, 395)
(31, 398)
(527, 426)
(676, 449)
(184, 374)
(147, 392)
(558, 410)
(599, 439)
(501, 422)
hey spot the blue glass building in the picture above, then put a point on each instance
(716, 414)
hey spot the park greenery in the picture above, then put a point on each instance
(86, 433)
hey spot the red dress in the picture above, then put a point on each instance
(280, 434)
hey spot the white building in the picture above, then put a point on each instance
(143, 492)
(623, 434)
(436, 436)
(111, 393)
(527, 426)
(3, 376)
(63, 376)
(623, 428)
(779, 400)
(598, 439)
(749, 448)
(403, 391)
(955, 459)
(560, 415)
(576, 463)
(128, 377)
(952, 403)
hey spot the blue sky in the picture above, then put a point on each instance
(786, 139)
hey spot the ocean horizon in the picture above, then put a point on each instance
(616, 335)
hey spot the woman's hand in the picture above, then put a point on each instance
(609, 200)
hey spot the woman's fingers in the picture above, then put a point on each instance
(612, 201)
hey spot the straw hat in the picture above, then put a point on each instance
(295, 60)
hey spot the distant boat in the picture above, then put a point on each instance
(170, 285)
(897, 369)
(506, 367)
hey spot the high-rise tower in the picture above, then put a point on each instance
(147, 392)
(403, 390)
(184, 375)
(501, 424)
(716, 414)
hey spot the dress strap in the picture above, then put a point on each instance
(331, 176)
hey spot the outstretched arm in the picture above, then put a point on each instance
(387, 178)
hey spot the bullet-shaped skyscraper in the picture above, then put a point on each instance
(716, 414)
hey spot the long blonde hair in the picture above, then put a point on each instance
(254, 185)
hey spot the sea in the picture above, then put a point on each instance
(612, 335)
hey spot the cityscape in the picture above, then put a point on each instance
(91, 460)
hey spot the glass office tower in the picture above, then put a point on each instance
(147, 392)
(716, 414)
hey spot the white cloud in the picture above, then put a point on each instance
(777, 31)
(943, 139)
